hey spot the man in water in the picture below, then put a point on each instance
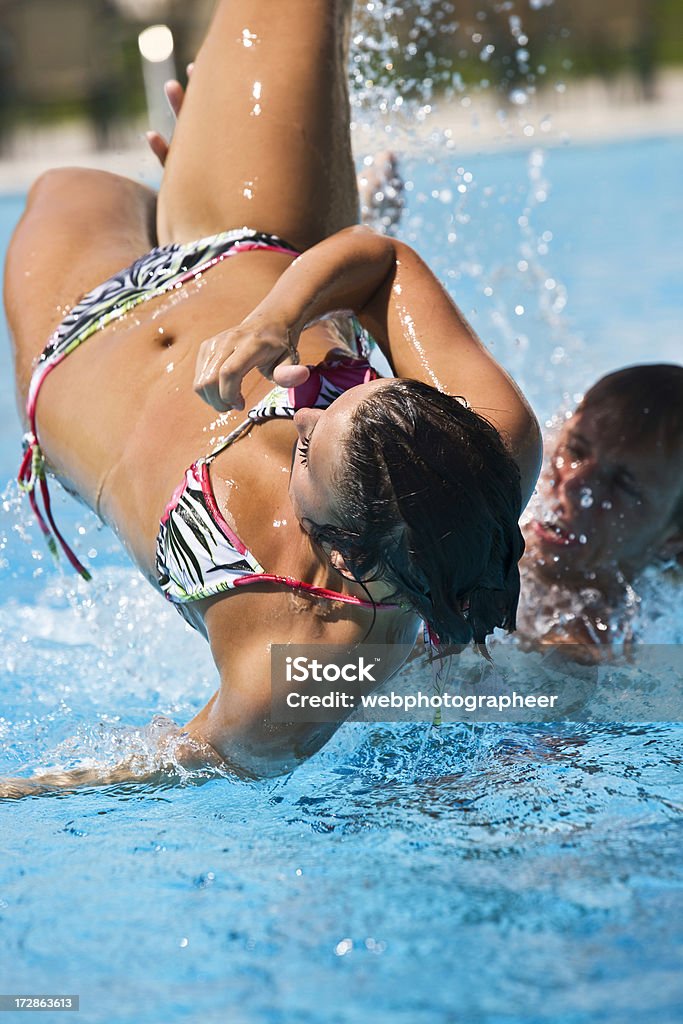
(612, 505)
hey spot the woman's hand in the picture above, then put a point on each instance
(224, 360)
(175, 94)
(335, 277)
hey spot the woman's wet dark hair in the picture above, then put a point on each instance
(429, 501)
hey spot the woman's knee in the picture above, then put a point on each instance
(59, 182)
(86, 200)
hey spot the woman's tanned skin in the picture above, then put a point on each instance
(262, 140)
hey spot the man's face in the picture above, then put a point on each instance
(607, 505)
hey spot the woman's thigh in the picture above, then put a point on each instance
(263, 135)
(79, 227)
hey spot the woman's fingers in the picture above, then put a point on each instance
(290, 375)
(210, 357)
(224, 361)
(159, 146)
(234, 369)
(220, 370)
(175, 94)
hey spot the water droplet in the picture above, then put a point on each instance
(374, 946)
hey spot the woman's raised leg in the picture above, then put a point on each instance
(263, 136)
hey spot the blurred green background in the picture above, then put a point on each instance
(67, 59)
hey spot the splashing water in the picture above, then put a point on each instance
(411, 873)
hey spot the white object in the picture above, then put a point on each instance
(158, 65)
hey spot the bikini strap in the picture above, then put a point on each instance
(310, 588)
(243, 428)
(172, 266)
(32, 474)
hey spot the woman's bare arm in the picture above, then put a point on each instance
(425, 336)
(341, 273)
(416, 323)
(175, 754)
(234, 734)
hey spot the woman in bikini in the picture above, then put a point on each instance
(216, 402)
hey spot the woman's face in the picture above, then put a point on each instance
(319, 455)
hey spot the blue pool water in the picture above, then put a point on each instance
(504, 874)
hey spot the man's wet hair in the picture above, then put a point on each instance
(642, 406)
(639, 404)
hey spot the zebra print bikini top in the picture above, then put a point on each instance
(198, 555)
(155, 273)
